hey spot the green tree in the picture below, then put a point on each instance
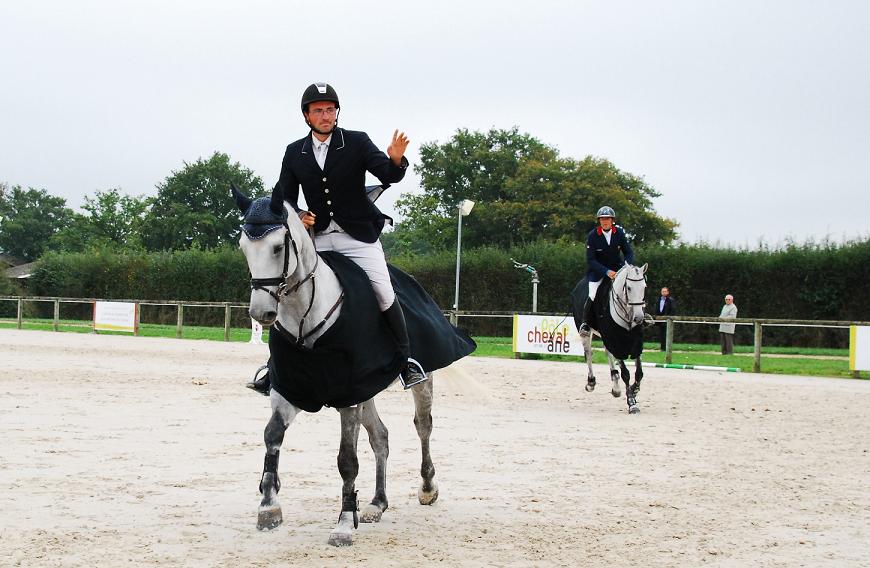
(111, 220)
(523, 191)
(194, 208)
(28, 220)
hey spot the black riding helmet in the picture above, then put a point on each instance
(319, 92)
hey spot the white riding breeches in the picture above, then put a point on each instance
(369, 256)
(593, 289)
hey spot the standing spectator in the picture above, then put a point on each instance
(666, 306)
(726, 330)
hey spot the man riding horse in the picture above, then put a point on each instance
(330, 163)
(607, 250)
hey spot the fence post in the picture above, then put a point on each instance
(138, 321)
(56, 322)
(20, 311)
(669, 341)
(180, 321)
(226, 321)
(756, 346)
(454, 318)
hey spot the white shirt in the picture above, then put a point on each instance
(320, 149)
(607, 235)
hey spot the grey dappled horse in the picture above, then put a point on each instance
(621, 328)
(290, 286)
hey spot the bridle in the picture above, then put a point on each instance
(624, 306)
(283, 290)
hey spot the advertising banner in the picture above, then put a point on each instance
(859, 348)
(115, 316)
(554, 335)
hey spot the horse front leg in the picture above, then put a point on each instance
(269, 513)
(630, 391)
(587, 353)
(428, 492)
(379, 441)
(348, 467)
(615, 388)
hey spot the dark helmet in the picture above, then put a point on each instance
(318, 92)
(605, 212)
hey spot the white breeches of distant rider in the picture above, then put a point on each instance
(593, 289)
(369, 256)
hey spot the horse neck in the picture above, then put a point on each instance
(620, 311)
(316, 296)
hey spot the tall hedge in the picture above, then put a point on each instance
(803, 282)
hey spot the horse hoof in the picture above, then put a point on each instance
(269, 517)
(340, 538)
(634, 409)
(371, 514)
(590, 387)
(616, 394)
(428, 497)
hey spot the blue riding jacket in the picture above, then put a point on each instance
(601, 257)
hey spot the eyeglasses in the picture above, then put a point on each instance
(323, 111)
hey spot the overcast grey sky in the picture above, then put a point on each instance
(750, 118)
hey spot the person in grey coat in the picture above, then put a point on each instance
(726, 330)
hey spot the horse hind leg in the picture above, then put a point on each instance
(428, 492)
(379, 441)
(269, 513)
(348, 467)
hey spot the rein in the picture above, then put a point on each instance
(283, 290)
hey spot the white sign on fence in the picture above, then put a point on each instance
(115, 316)
(859, 348)
(555, 335)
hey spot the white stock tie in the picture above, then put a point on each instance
(320, 155)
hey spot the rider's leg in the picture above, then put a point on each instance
(587, 307)
(370, 257)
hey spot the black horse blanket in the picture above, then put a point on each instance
(357, 357)
(620, 342)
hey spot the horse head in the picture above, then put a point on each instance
(630, 286)
(269, 242)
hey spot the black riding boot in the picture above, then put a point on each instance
(587, 313)
(262, 385)
(413, 372)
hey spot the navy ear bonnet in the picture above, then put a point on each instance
(260, 220)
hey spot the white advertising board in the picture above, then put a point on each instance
(554, 335)
(859, 348)
(115, 316)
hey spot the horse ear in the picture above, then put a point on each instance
(242, 201)
(277, 202)
(644, 267)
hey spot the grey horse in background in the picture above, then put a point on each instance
(618, 318)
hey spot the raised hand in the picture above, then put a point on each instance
(397, 147)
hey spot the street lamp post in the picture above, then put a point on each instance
(463, 209)
(535, 281)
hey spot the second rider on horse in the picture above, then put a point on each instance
(607, 250)
(330, 164)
